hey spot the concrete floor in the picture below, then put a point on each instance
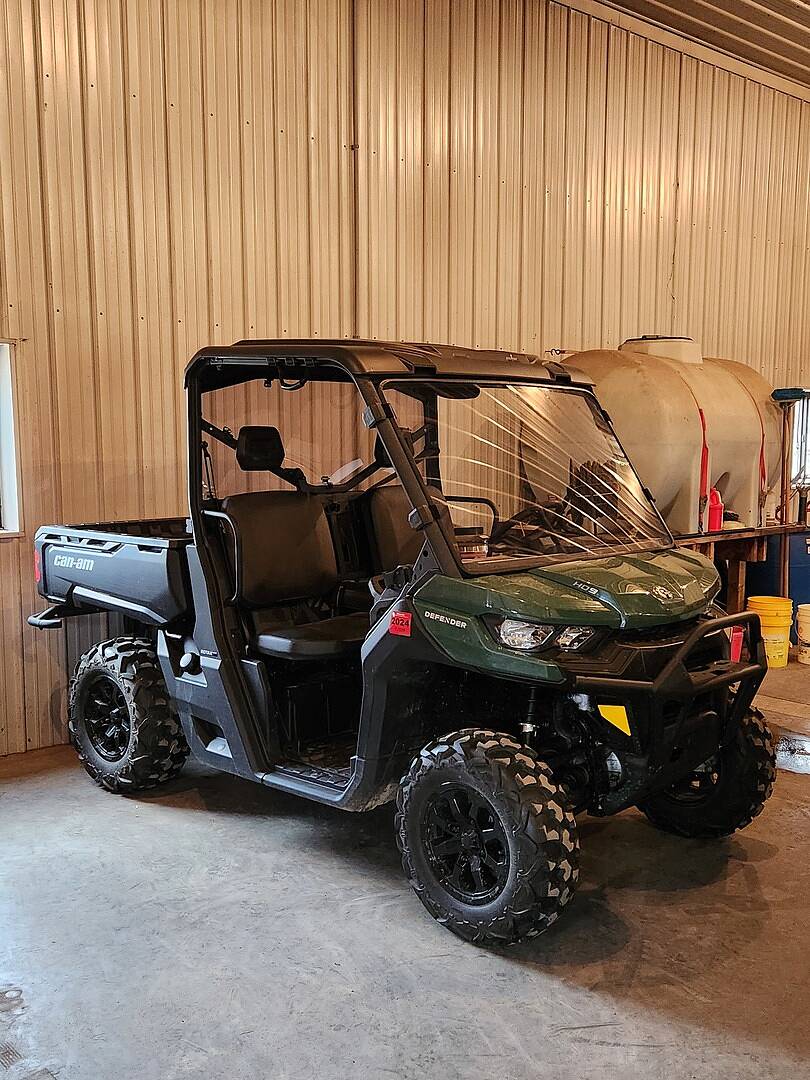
(218, 930)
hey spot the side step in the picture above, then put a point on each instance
(323, 785)
(328, 776)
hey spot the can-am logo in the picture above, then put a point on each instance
(660, 592)
(447, 619)
(70, 562)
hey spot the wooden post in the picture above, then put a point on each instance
(735, 594)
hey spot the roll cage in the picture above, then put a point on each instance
(370, 366)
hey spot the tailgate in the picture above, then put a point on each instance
(139, 576)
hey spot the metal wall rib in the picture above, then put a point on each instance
(518, 174)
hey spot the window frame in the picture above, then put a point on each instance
(11, 524)
(800, 448)
(509, 564)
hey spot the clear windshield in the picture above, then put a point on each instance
(526, 471)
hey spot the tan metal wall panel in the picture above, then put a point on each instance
(800, 284)
(667, 196)
(66, 209)
(331, 167)
(522, 174)
(152, 251)
(462, 136)
(573, 178)
(508, 174)
(291, 151)
(377, 166)
(113, 317)
(729, 201)
(601, 185)
(33, 703)
(223, 126)
(438, 199)
(174, 173)
(614, 214)
(594, 210)
(552, 242)
(532, 152)
(485, 164)
(186, 134)
(758, 310)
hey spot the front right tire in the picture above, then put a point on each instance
(727, 792)
(488, 839)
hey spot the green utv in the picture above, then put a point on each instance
(427, 574)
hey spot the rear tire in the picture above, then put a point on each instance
(120, 721)
(737, 783)
(488, 840)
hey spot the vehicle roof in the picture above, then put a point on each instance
(217, 366)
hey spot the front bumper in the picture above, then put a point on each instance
(679, 716)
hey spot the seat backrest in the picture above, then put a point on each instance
(285, 549)
(397, 543)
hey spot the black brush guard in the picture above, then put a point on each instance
(680, 718)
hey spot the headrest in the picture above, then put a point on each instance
(259, 448)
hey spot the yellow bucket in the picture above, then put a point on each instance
(771, 605)
(803, 632)
(776, 617)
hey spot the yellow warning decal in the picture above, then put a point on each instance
(616, 715)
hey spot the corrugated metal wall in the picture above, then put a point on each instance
(180, 172)
(172, 173)
(531, 176)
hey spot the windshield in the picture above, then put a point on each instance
(526, 471)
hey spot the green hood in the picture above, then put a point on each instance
(645, 589)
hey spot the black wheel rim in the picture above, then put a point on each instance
(465, 844)
(106, 718)
(699, 786)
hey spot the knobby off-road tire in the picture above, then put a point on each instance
(739, 782)
(120, 720)
(488, 798)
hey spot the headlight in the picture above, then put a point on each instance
(574, 637)
(529, 637)
(516, 634)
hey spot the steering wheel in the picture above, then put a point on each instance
(539, 520)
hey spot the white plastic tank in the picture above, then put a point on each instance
(690, 423)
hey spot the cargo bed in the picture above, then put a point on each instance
(136, 568)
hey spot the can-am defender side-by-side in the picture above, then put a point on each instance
(426, 574)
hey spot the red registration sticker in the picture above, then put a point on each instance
(737, 636)
(400, 624)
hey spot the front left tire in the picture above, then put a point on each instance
(488, 839)
(120, 720)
